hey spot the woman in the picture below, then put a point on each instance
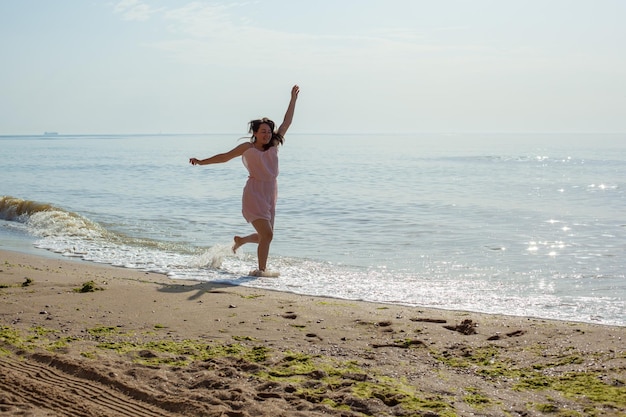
(260, 157)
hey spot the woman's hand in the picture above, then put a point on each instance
(194, 161)
(294, 92)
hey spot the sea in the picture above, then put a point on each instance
(530, 225)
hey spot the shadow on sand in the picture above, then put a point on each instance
(205, 287)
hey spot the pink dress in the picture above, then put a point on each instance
(261, 190)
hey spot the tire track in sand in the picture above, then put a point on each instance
(48, 387)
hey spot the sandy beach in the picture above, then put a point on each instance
(78, 339)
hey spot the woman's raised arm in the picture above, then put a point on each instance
(290, 110)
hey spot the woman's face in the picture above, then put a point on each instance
(264, 134)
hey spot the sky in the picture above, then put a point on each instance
(363, 66)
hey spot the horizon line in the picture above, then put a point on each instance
(57, 134)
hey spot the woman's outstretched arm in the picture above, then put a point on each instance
(290, 110)
(222, 157)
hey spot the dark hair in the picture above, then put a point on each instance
(254, 126)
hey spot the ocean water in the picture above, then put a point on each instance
(521, 224)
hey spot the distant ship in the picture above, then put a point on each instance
(50, 133)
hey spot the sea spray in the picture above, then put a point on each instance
(212, 257)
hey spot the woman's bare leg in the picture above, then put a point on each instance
(239, 241)
(265, 234)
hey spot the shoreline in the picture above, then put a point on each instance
(26, 246)
(160, 346)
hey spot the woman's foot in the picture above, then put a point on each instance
(261, 273)
(238, 242)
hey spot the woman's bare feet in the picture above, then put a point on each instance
(267, 274)
(238, 242)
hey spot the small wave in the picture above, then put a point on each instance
(16, 209)
(72, 234)
(43, 219)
